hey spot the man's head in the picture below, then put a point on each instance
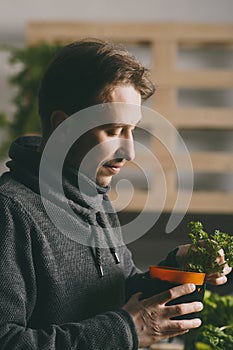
(84, 74)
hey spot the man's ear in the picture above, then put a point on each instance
(57, 117)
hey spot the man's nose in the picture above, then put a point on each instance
(126, 149)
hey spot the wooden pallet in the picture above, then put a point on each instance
(165, 39)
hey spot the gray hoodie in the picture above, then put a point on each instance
(56, 293)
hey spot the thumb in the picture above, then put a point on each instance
(133, 300)
(135, 297)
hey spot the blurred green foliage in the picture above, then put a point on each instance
(216, 332)
(32, 62)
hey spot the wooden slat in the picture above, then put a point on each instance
(215, 202)
(165, 97)
(210, 118)
(217, 79)
(216, 162)
(201, 202)
(164, 54)
(200, 32)
(68, 31)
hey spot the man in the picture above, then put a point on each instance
(55, 291)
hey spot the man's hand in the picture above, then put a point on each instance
(152, 317)
(212, 278)
(217, 278)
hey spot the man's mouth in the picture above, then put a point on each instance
(114, 167)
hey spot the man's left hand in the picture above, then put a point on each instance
(214, 278)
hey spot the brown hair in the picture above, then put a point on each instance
(84, 73)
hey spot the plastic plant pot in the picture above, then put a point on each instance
(164, 278)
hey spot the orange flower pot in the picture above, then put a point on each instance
(163, 278)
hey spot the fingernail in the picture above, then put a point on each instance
(200, 306)
(197, 322)
(222, 280)
(192, 287)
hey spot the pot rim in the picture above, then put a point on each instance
(172, 274)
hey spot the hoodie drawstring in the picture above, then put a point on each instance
(107, 238)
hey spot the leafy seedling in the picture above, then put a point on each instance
(203, 254)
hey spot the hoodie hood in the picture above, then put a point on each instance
(25, 165)
(91, 203)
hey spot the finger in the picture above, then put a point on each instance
(183, 325)
(175, 292)
(177, 334)
(217, 278)
(212, 276)
(227, 269)
(216, 281)
(221, 253)
(183, 309)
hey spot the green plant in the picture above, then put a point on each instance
(216, 338)
(216, 332)
(203, 253)
(32, 62)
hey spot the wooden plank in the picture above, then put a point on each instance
(216, 162)
(202, 32)
(164, 54)
(211, 78)
(165, 97)
(164, 58)
(211, 118)
(71, 31)
(201, 202)
(184, 32)
(212, 202)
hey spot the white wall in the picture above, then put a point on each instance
(14, 14)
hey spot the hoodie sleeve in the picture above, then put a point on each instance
(18, 294)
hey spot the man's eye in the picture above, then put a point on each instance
(113, 132)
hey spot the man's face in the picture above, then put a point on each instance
(108, 147)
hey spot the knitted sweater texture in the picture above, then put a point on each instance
(51, 294)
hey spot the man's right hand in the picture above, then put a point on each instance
(152, 317)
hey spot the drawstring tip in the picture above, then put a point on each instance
(116, 257)
(100, 271)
